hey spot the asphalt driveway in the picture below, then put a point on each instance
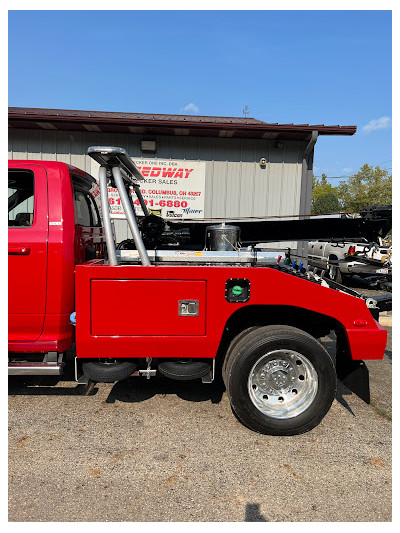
(160, 450)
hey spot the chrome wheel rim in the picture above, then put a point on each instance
(282, 384)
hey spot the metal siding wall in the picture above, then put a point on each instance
(77, 155)
(306, 195)
(263, 185)
(34, 145)
(92, 139)
(63, 146)
(235, 184)
(19, 143)
(10, 146)
(49, 146)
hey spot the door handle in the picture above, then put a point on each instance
(19, 250)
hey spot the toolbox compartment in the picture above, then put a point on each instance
(135, 307)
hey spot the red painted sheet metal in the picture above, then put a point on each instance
(268, 287)
(56, 336)
(27, 271)
(146, 307)
(367, 343)
(42, 283)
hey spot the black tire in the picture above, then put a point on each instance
(184, 370)
(233, 343)
(315, 386)
(108, 372)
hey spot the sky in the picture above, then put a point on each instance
(315, 67)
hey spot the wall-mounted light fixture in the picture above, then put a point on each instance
(149, 147)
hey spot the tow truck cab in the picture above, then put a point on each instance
(53, 224)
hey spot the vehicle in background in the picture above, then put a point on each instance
(347, 257)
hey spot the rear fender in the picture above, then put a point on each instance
(353, 373)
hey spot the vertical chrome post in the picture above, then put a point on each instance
(130, 216)
(105, 207)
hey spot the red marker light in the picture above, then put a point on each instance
(360, 323)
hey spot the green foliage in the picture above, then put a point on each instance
(368, 187)
(324, 197)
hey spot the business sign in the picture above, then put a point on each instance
(171, 189)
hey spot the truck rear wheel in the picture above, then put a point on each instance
(108, 370)
(280, 380)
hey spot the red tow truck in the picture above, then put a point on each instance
(160, 304)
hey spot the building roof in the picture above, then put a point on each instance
(156, 124)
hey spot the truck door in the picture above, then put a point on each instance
(317, 253)
(27, 250)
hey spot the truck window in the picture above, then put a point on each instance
(82, 209)
(86, 211)
(20, 198)
(94, 211)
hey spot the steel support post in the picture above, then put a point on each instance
(130, 216)
(105, 207)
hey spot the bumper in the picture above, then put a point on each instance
(354, 267)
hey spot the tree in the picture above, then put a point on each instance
(324, 197)
(368, 187)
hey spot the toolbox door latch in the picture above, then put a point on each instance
(188, 307)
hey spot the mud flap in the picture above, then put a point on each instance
(355, 375)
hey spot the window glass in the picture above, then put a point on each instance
(20, 198)
(94, 211)
(82, 209)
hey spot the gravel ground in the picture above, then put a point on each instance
(161, 450)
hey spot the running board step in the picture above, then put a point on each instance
(48, 369)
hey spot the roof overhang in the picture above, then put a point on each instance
(145, 124)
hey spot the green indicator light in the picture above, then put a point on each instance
(237, 290)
